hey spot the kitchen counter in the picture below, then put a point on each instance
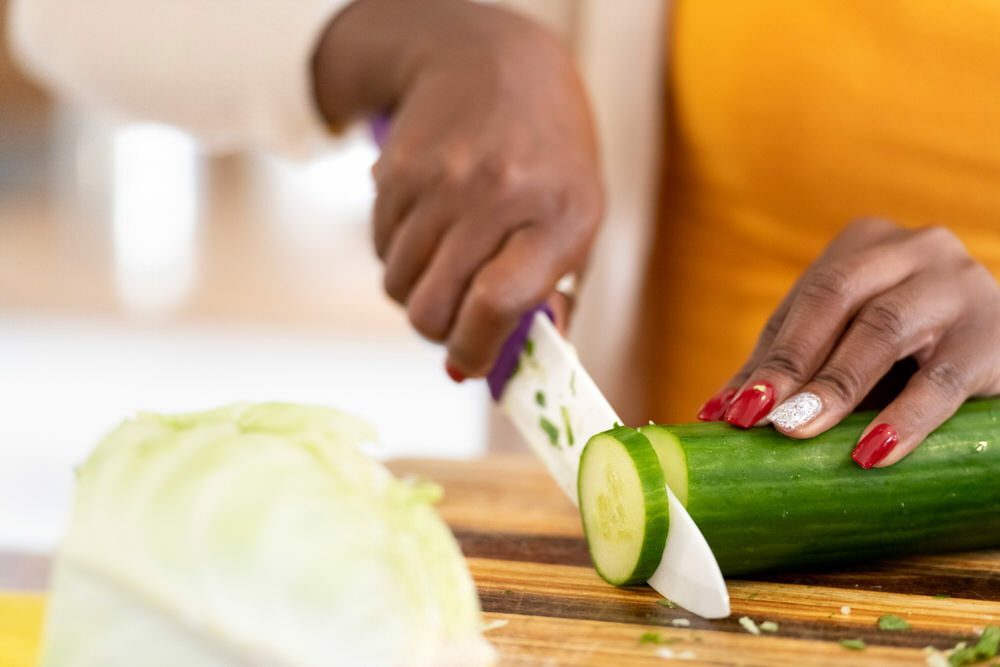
(526, 551)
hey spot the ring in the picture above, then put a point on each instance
(567, 286)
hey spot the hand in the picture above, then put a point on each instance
(878, 294)
(488, 187)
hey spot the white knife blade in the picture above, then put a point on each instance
(557, 407)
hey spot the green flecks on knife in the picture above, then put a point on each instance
(529, 347)
(569, 429)
(540, 398)
(550, 430)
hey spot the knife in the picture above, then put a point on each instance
(540, 384)
(556, 406)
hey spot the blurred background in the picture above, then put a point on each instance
(137, 273)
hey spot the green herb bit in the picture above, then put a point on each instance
(854, 644)
(941, 597)
(656, 638)
(892, 622)
(540, 398)
(550, 429)
(507, 591)
(752, 596)
(569, 429)
(529, 347)
(768, 626)
(572, 382)
(517, 368)
(667, 603)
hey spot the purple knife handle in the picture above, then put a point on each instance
(380, 125)
(511, 351)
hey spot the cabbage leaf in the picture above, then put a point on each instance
(256, 534)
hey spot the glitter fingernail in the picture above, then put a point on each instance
(797, 411)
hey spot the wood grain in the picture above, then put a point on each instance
(525, 550)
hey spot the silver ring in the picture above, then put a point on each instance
(567, 286)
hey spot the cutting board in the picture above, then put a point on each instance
(526, 551)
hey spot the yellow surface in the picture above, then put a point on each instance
(786, 121)
(20, 628)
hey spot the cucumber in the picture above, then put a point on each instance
(768, 502)
(623, 504)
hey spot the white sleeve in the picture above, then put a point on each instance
(235, 73)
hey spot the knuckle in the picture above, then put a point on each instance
(427, 320)
(884, 319)
(947, 377)
(495, 306)
(787, 361)
(829, 284)
(395, 286)
(842, 382)
(499, 173)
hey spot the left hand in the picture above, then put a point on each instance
(879, 293)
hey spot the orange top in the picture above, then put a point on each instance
(787, 120)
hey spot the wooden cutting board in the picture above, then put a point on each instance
(526, 551)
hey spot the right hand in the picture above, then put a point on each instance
(488, 187)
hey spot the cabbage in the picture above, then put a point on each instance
(256, 535)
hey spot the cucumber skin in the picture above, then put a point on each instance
(657, 524)
(768, 502)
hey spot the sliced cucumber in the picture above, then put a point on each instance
(672, 459)
(623, 504)
(767, 502)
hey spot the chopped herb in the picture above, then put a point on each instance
(569, 429)
(507, 592)
(697, 638)
(517, 367)
(752, 596)
(941, 597)
(854, 644)
(540, 398)
(550, 429)
(989, 643)
(616, 424)
(667, 603)
(529, 347)
(749, 625)
(572, 382)
(656, 638)
(832, 614)
(769, 626)
(892, 622)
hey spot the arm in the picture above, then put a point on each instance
(488, 187)
(233, 72)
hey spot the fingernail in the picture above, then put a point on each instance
(875, 446)
(752, 404)
(715, 407)
(797, 411)
(455, 374)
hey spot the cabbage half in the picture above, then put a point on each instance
(256, 535)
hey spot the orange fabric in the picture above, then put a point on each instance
(787, 120)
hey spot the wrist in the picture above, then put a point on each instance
(371, 53)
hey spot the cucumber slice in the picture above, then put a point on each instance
(623, 504)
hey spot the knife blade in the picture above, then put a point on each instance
(556, 406)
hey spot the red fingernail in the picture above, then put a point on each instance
(715, 407)
(751, 405)
(875, 446)
(455, 374)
